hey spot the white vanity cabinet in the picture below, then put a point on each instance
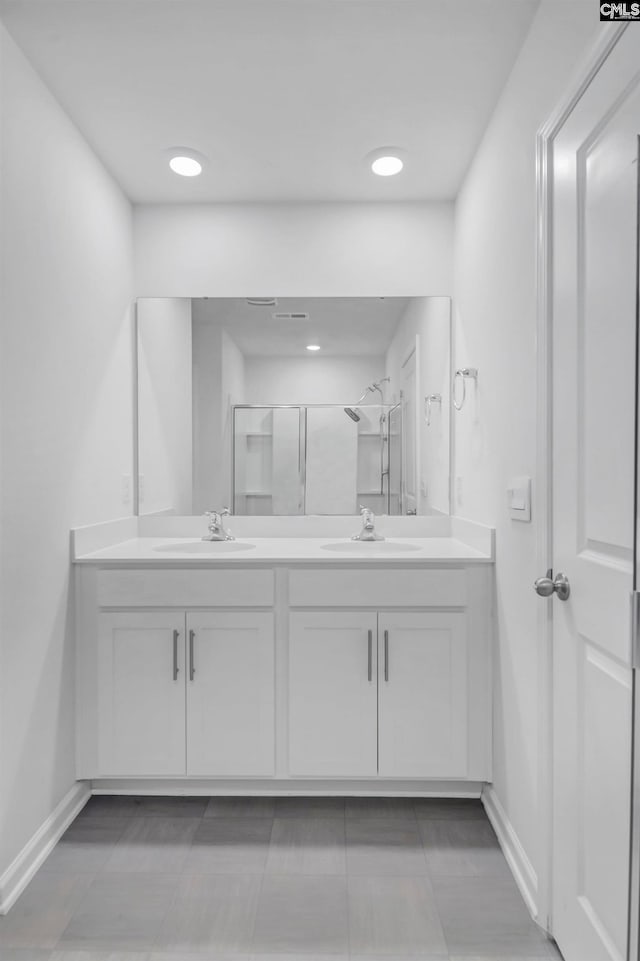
(332, 694)
(140, 694)
(423, 694)
(284, 677)
(417, 706)
(230, 694)
(185, 693)
(378, 693)
(175, 673)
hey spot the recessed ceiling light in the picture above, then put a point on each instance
(387, 166)
(185, 161)
(185, 166)
(313, 347)
(386, 161)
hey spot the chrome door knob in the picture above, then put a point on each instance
(546, 586)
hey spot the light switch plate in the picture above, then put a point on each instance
(519, 498)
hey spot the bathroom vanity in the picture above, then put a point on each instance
(295, 664)
(294, 659)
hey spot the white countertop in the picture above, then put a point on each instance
(163, 551)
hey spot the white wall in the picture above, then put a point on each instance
(218, 382)
(429, 320)
(232, 380)
(165, 405)
(312, 250)
(495, 435)
(435, 377)
(207, 415)
(66, 431)
(310, 380)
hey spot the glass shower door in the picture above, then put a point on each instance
(268, 460)
(331, 462)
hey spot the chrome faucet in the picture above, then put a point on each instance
(217, 530)
(368, 532)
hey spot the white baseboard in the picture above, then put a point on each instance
(520, 865)
(270, 787)
(37, 849)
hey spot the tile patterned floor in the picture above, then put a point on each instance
(322, 879)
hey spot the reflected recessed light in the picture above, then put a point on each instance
(186, 166)
(262, 301)
(313, 347)
(387, 166)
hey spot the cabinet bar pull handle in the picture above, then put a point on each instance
(192, 666)
(386, 656)
(176, 635)
(370, 661)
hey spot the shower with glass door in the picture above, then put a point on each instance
(317, 458)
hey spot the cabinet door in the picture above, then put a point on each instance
(422, 683)
(141, 694)
(332, 694)
(230, 694)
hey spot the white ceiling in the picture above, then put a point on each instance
(284, 97)
(340, 325)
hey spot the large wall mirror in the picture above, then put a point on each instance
(235, 410)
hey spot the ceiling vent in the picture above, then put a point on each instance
(293, 315)
(262, 301)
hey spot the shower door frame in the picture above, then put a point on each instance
(392, 410)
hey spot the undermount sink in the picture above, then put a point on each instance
(370, 547)
(204, 547)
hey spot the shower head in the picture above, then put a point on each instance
(376, 386)
(368, 390)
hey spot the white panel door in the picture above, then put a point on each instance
(141, 694)
(594, 324)
(422, 683)
(230, 694)
(332, 694)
